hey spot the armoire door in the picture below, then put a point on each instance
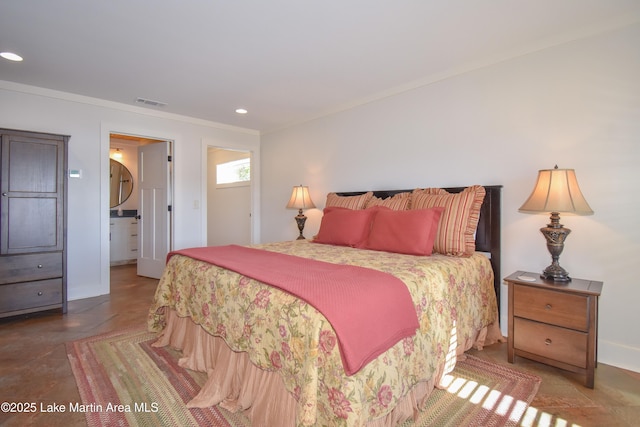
(32, 204)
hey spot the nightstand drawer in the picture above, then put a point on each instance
(564, 345)
(557, 308)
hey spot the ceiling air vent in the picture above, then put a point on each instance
(151, 102)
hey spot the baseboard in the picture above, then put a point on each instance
(619, 355)
(86, 292)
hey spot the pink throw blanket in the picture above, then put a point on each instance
(369, 310)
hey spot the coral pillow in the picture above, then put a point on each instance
(344, 227)
(456, 232)
(407, 232)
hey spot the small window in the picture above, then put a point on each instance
(234, 173)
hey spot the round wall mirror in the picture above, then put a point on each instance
(121, 183)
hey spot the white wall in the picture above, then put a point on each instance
(576, 105)
(89, 122)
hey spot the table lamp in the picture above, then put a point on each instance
(300, 199)
(556, 191)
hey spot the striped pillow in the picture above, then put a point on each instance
(458, 223)
(349, 202)
(398, 202)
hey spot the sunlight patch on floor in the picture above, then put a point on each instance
(504, 405)
(536, 418)
(493, 400)
(489, 399)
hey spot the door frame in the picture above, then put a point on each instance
(106, 129)
(255, 184)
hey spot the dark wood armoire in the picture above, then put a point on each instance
(33, 222)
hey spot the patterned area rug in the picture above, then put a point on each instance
(123, 381)
(479, 393)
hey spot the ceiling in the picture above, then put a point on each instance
(285, 61)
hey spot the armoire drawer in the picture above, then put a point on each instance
(24, 296)
(30, 267)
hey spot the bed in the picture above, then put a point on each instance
(273, 354)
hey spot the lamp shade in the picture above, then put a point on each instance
(300, 198)
(556, 190)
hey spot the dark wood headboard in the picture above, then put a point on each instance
(488, 232)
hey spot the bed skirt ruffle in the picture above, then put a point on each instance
(236, 384)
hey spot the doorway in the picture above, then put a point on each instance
(141, 225)
(229, 188)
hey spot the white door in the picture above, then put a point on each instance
(154, 222)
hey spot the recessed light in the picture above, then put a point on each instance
(11, 56)
(241, 111)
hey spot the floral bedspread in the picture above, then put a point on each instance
(453, 297)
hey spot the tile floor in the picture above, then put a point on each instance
(34, 365)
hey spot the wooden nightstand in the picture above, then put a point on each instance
(554, 323)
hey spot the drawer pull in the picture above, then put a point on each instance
(547, 307)
(547, 341)
(39, 293)
(39, 265)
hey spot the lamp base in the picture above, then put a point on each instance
(555, 233)
(300, 220)
(555, 273)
